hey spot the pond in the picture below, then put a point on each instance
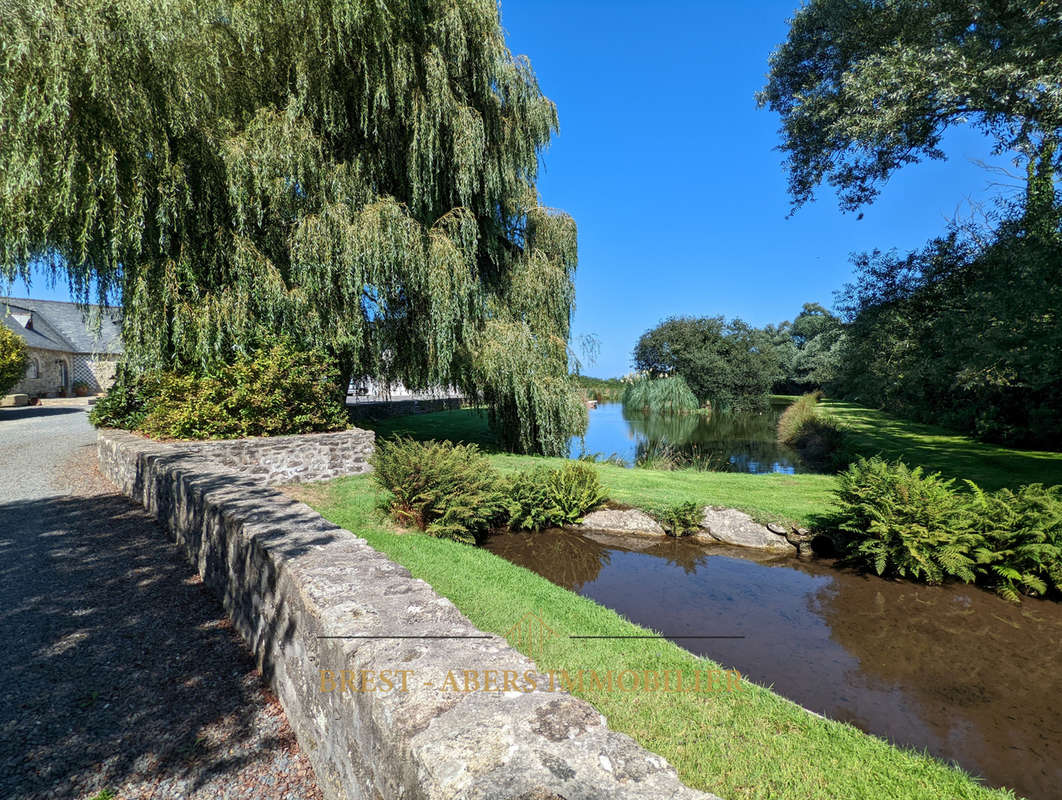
(954, 670)
(724, 441)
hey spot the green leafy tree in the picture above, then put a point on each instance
(818, 336)
(357, 177)
(13, 359)
(864, 87)
(728, 364)
(963, 332)
(966, 330)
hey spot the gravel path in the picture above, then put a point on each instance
(120, 669)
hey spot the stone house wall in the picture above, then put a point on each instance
(43, 377)
(97, 370)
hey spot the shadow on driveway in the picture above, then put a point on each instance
(32, 412)
(121, 670)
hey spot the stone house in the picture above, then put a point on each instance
(65, 344)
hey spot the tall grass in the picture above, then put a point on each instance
(795, 417)
(820, 440)
(661, 395)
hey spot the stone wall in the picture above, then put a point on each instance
(399, 408)
(97, 370)
(298, 589)
(291, 459)
(46, 379)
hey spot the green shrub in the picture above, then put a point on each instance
(274, 390)
(900, 521)
(13, 358)
(575, 489)
(447, 490)
(1021, 533)
(530, 500)
(125, 403)
(680, 519)
(663, 395)
(548, 498)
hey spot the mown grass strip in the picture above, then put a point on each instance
(936, 449)
(747, 744)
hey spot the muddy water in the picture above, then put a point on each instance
(954, 670)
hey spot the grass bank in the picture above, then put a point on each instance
(936, 449)
(741, 745)
(793, 498)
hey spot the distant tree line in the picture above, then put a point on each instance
(731, 364)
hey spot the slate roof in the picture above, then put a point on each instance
(66, 327)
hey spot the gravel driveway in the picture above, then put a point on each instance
(120, 669)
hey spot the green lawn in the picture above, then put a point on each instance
(944, 451)
(796, 498)
(747, 744)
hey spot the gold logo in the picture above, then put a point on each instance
(530, 634)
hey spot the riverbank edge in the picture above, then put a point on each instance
(741, 748)
(295, 586)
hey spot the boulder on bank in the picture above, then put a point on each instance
(718, 524)
(615, 520)
(735, 527)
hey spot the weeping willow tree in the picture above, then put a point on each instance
(357, 175)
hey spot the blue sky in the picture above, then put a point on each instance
(670, 171)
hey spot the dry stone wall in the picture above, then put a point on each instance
(291, 459)
(296, 587)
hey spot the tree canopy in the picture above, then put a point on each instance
(966, 330)
(356, 176)
(729, 364)
(864, 87)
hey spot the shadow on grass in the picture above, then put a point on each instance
(954, 455)
(463, 426)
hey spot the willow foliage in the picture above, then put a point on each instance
(358, 176)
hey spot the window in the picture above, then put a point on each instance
(34, 369)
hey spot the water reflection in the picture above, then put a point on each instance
(725, 441)
(952, 669)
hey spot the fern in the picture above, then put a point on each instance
(446, 490)
(548, 498)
